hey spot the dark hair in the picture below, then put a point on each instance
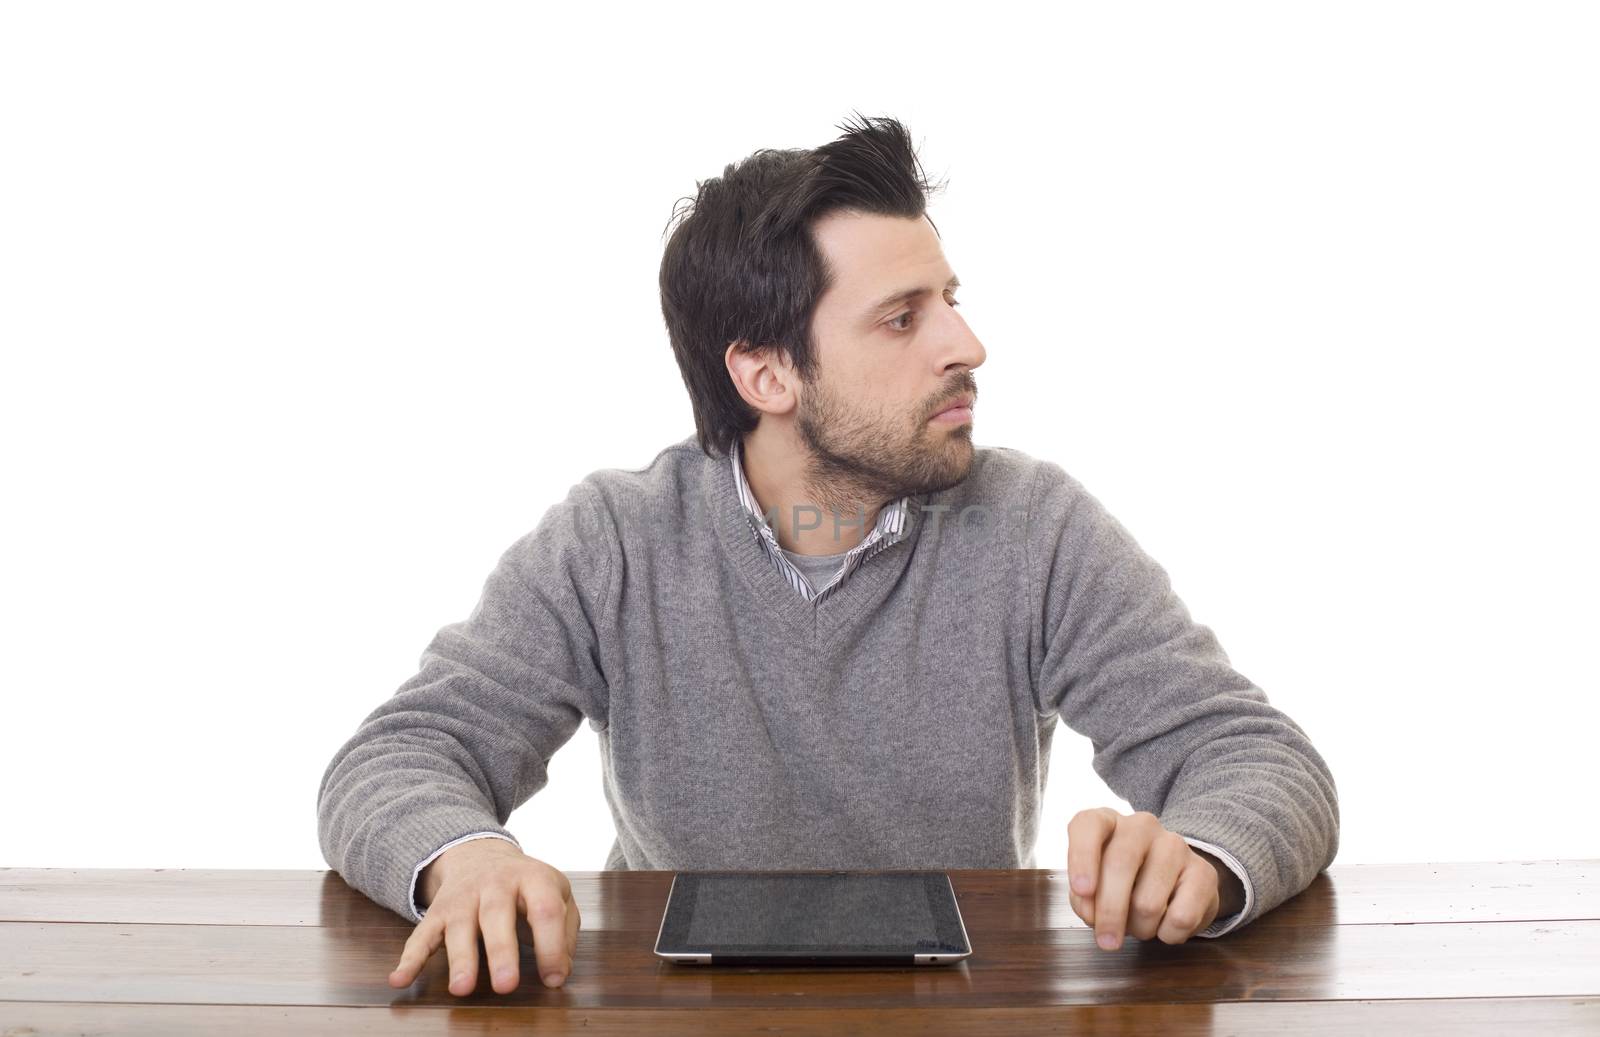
(742, 263)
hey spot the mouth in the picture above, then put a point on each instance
(956, 411)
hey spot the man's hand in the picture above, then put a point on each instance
(485, 884)
(1131, 875)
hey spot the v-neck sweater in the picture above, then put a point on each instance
(903, 721)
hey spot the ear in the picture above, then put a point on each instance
(763, 376)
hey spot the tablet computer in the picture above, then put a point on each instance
(812, 918)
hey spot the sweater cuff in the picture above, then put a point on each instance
(1221, 926)
(411, 896)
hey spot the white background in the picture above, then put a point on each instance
(310, 310)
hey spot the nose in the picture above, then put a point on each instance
(959, 346)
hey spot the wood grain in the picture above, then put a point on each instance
(307, 965)
(1503, 947)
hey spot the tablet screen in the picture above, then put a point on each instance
(813, 913)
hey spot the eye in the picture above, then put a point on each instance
(910, 313)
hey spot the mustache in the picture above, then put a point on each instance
(966, 386)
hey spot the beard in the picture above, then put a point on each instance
(860, 459)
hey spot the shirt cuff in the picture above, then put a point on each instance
(411, 898)
(1221, 926)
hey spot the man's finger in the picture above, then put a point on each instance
(1087, 833)
(1083, 907)
(424, 940)
(497, 915)
(461, 945)
(1154, 887)
(1119, 866)
(547, 911)
(1194, 904)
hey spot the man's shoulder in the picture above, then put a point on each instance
(663, 484)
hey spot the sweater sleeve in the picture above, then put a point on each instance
(467, 739)
(1176, 731)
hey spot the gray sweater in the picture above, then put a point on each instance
(903, 721)
(814, 577)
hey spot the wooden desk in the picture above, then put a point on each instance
(1502, 948)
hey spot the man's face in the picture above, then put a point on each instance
(887, 366)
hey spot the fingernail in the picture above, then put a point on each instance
(1080, 883)
(504, 975)
(1109, 942)
(460, 977)
(553, 979)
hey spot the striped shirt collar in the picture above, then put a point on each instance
(889, 529)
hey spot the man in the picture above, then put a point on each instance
(827, 631)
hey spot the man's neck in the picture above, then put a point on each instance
(806, 519)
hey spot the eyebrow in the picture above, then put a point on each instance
(906, 295)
